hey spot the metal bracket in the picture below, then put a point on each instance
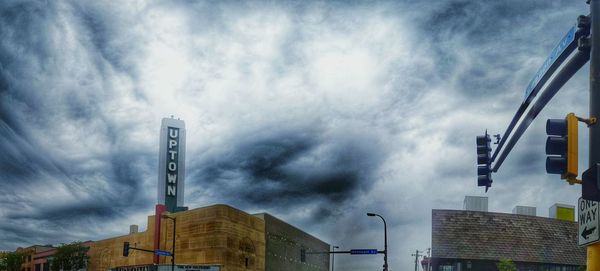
(584, 44)
(591, 121)
(573, 180)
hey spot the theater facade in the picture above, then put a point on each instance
(214, 238)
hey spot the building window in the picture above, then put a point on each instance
(246, 262)
(303, 255)
(37, 267)
(446, 268)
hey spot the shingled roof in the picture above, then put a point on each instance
(474, 235)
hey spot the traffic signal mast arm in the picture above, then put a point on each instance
(575, 38)
(571, 67)
(544, 73)
(127, 247)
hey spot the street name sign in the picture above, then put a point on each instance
(363, 251)
(588, 222)
(557, 53)
(162, 253)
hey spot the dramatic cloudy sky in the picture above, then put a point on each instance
(316, 112)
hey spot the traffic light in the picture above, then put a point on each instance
(125, 249)
(561, 146)
(591, 184)
(583, 25)
(484, 161)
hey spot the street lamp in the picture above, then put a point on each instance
(385, 250)
(333, 256)
(173, 249)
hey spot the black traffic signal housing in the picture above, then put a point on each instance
(484, 161)
(562, 147)
(584, 24)
(591, 184)
(125, 249)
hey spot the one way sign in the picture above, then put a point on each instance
(588, 222)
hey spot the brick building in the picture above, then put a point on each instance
(41, 259)
(475, 240)
(30, 252)
(217, 237)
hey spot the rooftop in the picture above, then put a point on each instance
(458, 234)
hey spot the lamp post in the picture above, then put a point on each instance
(173, 249)
(333, 257)
(385, 250)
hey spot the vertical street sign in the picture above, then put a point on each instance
(588, 222)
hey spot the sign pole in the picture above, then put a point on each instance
(593, 251)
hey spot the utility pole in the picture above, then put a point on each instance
(333, 257)
(593, 251)
(428, 259)
(417, 255)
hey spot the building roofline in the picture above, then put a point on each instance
(288, 224)
(502, 214)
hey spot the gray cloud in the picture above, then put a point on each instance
(314, 111)
(287, 168)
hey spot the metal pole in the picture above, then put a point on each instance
(593, 251)
(385, 250)
(173, 250)
(428, 258)
(385, 264)
(595, 84)
(416, 259)
(333, 258)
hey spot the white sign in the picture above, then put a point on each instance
(588, 222)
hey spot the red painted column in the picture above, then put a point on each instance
(160, 208)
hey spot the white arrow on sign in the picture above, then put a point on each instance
(588, 222)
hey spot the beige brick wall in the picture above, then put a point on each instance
(217, 234)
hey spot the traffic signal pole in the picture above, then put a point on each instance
(593, 251)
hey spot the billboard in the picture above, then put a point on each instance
(171, 164)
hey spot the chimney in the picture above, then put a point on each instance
(562, 212)
(474, 203)
(524, 210)
(133, 229)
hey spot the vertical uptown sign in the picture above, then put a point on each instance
(171, 168)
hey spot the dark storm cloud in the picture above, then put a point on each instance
(292, 168)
